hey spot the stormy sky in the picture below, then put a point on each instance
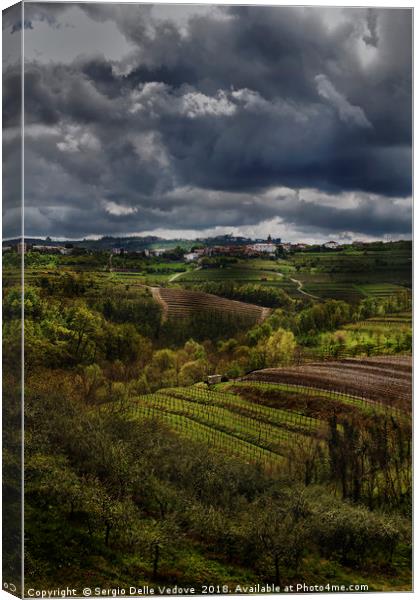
(196, 120)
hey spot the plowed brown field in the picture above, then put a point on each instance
(384, 379)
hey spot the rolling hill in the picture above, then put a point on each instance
(179, 303)
(266, 415)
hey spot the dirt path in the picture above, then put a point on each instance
(300, 289)
(174, 277)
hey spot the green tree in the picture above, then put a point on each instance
(84, 326)
(279, 348)
(280, 527)
(193, 371)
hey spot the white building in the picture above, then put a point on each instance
(191, 256)
(331, 245)
(263, 248)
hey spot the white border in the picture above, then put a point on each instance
(348, 3)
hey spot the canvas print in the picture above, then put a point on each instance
(207, 273)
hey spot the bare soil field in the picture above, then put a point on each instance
(386, 380)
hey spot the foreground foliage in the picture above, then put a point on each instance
(101, 485)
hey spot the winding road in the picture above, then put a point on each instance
(300, 289)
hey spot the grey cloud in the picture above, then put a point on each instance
(18, 26)
(50, 12)
(347, 112)
(232, 104)
(369, 217)
(372, 36)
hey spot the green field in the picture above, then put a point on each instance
(334, 291)
(352, 275)
(390, 331)
(350, 287)
(261, 264)
(354, 261)
(379, 289)
(245, 273)
(142, 278)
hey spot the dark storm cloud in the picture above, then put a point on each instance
(11, 124)
(372, 22)
(368, 217)
(244, 100)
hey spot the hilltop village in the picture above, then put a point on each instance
(227, 245)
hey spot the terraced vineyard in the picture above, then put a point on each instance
(269, 414)
(402, 318)
(325, 286)
(180, 303)
(385, 381)
(379, 325)
(380, 290)
(229, 422)
(336, 291)
(383, 326)
(391, 266)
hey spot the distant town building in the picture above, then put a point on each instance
(191, 256)
(262, 248)
(158, 251)
(223, 250)
(117, 250)
(7, 248)
(22, 247)
(331, 245)
(51, 249)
